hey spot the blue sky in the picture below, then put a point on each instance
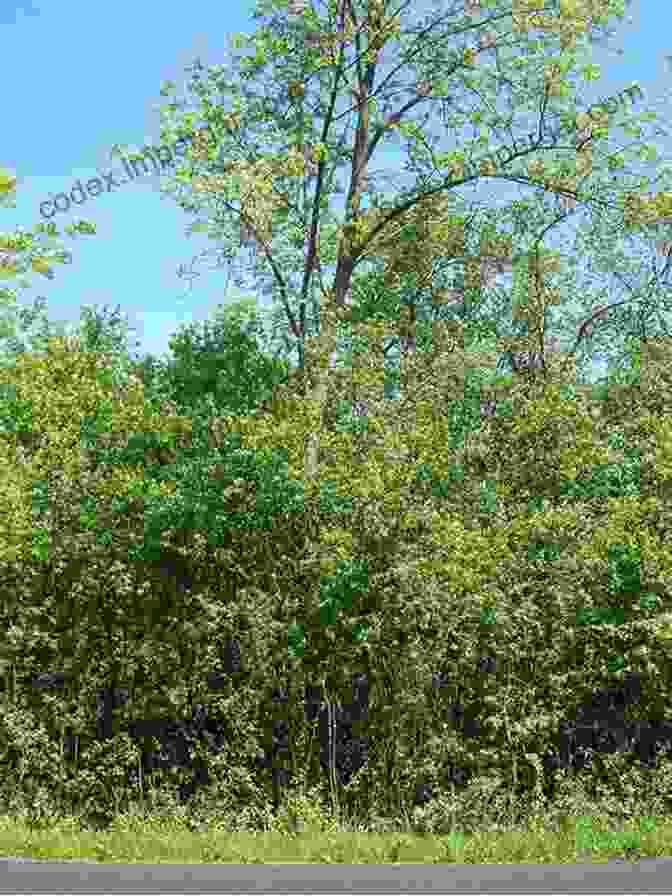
(81, 82)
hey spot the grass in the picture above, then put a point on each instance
(303, 833)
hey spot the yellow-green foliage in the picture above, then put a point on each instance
(58, 391)
(436, 563)
(551, 438)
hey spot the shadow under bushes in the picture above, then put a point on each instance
(351, 752)
(176, 739)
(596, 729)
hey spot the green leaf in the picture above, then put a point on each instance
(40, 543)
(647, 153)
(591, 72)
(296, 640)
(360, 632)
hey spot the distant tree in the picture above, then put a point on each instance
(216, 365)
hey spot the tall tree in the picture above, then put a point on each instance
(308, 52)
(421, 224)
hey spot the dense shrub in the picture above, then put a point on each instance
(533, 573)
